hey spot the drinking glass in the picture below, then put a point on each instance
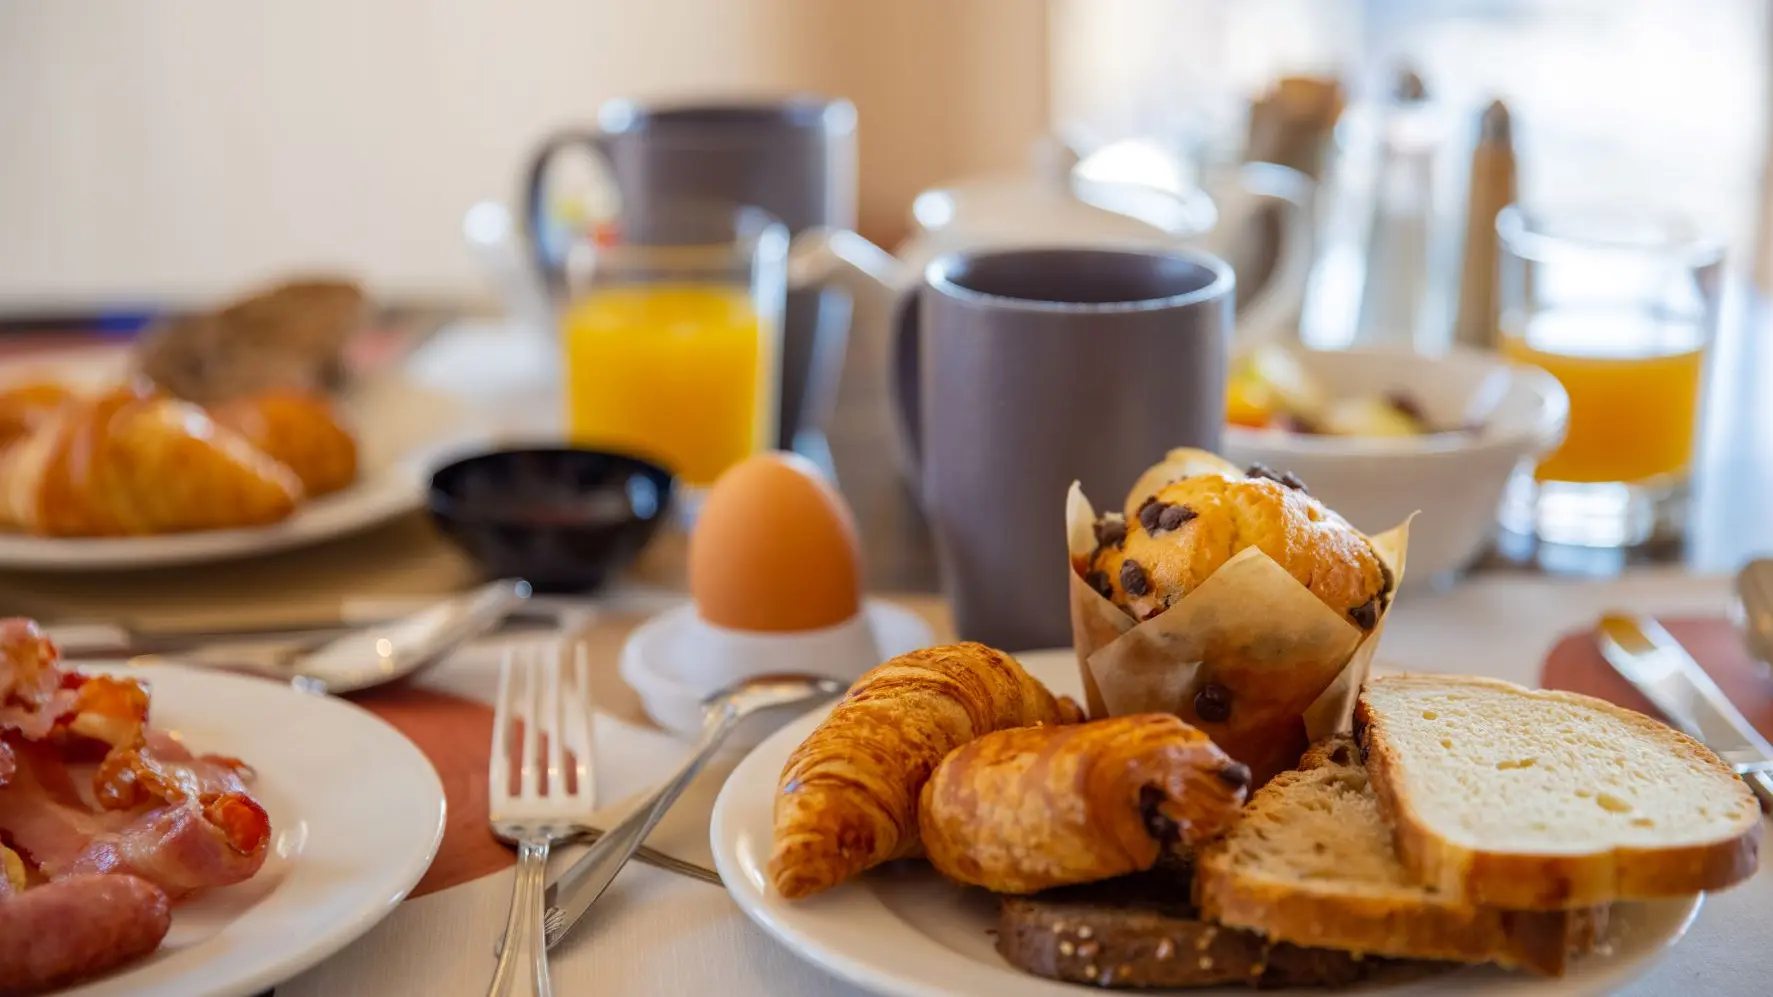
(670, 335)
(1620, 308)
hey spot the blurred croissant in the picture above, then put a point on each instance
(24, 407)
(131, 462)
(298, 429)
(1021, 811)
(849, 794)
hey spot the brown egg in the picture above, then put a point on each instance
(774, 549)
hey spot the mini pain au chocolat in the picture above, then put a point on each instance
(1230, 598)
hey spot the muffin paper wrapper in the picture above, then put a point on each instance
(1293, 666)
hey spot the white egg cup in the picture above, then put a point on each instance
(677, 658)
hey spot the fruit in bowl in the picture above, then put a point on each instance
(1270, 388)
(1481, 418)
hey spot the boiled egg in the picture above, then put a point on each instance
(774, 549)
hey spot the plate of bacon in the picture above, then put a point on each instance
(171, 832)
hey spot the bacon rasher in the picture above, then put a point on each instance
(103, 820)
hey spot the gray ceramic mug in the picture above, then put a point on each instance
(795, 158)
(1037, 367)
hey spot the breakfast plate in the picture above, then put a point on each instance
(402, 429)
(356, 811)
(905, 932)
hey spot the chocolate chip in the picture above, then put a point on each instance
(1150, 513)
(1134, 579)
(1111, 531)
(1366, 614)
(1213, 703)
(1287, 478)
(1236, 775)
(1174, 516)
(1157, 824)
(1098, 580)
(1341, 755)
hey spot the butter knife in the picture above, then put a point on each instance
(1657, 666)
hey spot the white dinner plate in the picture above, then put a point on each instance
(906, 932)
(356, 816)
(402, 431)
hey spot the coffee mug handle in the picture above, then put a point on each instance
(883, 331)
(1272, 314)
(553, 271)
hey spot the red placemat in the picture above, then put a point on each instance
(456, 735)
(1576, 665)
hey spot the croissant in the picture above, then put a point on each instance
(299, 429)
(24, 407)
(1021, 811)
(130, 462)
(848, 796)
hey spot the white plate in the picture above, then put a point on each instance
(905, 932)
(356, 813)
(402, 430)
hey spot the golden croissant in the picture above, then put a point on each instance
(1021, 811)
(132, 462)
(848, 796)
(299, 429)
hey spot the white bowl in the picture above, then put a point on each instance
(1454, 480)
(677, 658)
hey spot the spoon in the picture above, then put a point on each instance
(567, 899)
(1754, 595)
(381, 653)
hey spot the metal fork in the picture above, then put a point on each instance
(540, 806)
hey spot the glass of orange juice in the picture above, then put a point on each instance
(670, 334)
(1621, 309)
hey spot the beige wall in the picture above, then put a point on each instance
(178, 149)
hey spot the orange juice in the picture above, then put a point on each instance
(1633, 381)
(680, 372)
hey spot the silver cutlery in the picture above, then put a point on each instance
(543, 801)
(578, 887)
(1754, 608)
(375, 655)
(1648, 657)
(88, 640)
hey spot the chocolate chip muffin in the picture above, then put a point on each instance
(1170, 542)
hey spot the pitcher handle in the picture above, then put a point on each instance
(1272, 315)
(883, 291)
(553, 271)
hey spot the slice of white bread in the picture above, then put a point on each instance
(1542, 800)
(1311, 863)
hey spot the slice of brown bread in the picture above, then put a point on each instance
(1312, 863)
(1142, 932)
(1535, 799)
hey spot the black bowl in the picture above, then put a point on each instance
(563, 519)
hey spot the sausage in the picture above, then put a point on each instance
(67, 930)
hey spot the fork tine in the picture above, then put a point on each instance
(532, 691)
(551, 725)
(580, 725)
(498, 766)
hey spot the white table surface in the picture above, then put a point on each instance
(655, 934)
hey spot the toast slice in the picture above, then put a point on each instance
(1546, 800)
(1142, 932)
(1312, 863)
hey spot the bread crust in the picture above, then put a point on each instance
(1549, 881)
(1391, 924)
